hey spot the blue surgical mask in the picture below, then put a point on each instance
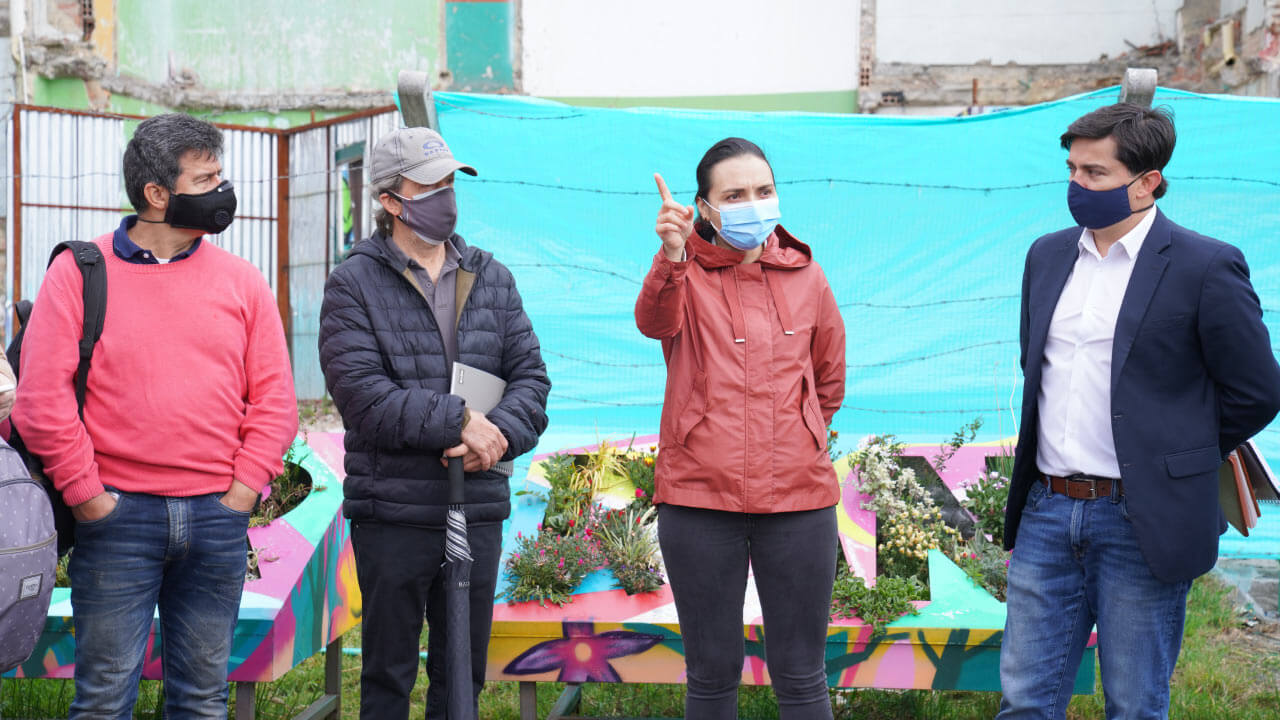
(1096, 209)
(746, 225)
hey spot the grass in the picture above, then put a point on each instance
(1222, 672)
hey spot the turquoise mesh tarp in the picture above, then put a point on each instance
(921, 224)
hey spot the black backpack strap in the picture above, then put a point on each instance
(93, 271)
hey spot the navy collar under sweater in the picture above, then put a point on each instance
(128, 251)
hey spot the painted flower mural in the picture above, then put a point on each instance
(582, 655)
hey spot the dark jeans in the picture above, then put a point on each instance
(400, 571)
(184, 554)
(793, 556)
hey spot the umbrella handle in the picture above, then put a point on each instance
(457, 494)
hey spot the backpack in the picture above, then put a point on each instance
(93, 272)
(28, 559)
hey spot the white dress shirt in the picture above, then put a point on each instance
(1075, 387)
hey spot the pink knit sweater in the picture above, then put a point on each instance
(190, 385)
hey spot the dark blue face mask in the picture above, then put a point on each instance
(1096, 209)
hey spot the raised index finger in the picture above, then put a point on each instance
(662, 187)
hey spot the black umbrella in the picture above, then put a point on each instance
(457, 576)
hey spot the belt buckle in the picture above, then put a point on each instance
(1093, 489)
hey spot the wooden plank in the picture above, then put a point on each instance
(528, 700)
(245, 694)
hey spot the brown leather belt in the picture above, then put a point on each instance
(1083, 487)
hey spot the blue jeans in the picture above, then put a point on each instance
(186, 555)
(793, 556)
(1077, 563)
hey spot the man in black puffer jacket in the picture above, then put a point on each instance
(410, 301)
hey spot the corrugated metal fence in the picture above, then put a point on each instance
(66, 185)
(315, 244)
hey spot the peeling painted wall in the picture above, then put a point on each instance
(294, 45)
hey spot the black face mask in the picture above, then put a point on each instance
(211, 212)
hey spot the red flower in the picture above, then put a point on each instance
(639, 492)
(573, 522)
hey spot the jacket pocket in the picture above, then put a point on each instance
(1193, 462)
(1166, 323)
(694, 408)
(811, 414)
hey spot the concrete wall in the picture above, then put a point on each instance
(1039, 32)
(751, 54)
(1255, 12)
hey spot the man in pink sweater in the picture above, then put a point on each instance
(189, 409)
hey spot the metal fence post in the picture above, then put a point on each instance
(417, 107)
(282, 236)
(1138, 86)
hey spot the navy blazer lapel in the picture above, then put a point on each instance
(1061, 261)
(1148, 268)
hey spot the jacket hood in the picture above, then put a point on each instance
(376, 246)
(781, 251)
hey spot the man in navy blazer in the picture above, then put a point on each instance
(1145, 362)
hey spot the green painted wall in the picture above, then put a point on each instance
(286, 45)
(59, 92)
(480, 42)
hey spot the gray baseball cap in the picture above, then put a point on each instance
(417, 153)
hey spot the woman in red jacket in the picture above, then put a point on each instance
(754, 345)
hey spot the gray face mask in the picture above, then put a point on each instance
(432, 215)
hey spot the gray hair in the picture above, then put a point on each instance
(157, 146)
(382, 219)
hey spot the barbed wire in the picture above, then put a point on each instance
(904, 411)
(601, 363)
(337, 170)
(605, 403)
(441, 101)
(931, 303)
(878, 411)
(850, 366)
(571, 266)
(930, 356)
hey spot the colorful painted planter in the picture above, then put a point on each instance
(604, 635)
(306, 598)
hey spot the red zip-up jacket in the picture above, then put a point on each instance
(755, 372)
